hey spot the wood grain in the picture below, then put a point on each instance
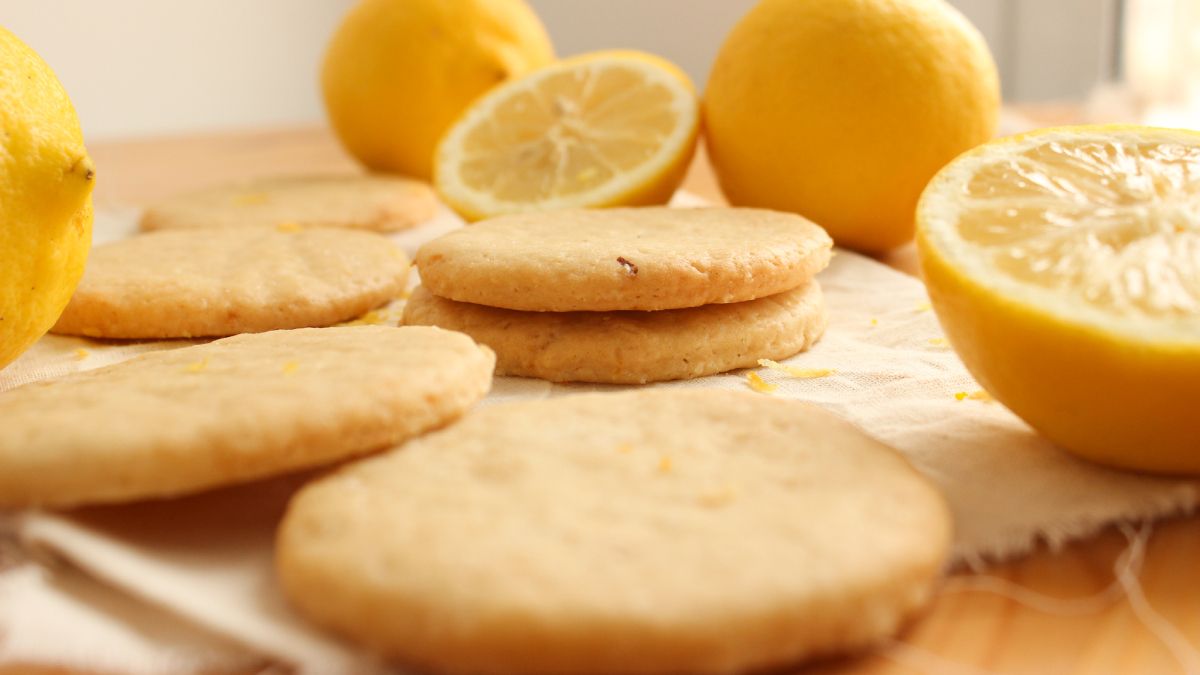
(968, 630)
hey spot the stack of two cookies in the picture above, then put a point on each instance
(628, 296)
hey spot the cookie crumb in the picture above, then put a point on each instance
(630, 268)
(760, 385)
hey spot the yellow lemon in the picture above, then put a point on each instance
(1064, 266)
(843, 110)
(613, 128)
(398, 72)
(46, 183)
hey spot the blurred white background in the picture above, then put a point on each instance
(149, 67)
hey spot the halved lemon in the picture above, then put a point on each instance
(1064, 266)
(614, 128)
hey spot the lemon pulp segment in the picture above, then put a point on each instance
(1104, 228)
(594, 131)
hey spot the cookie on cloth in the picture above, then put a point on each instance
(633, 347)
(668, 531)
(203, 283)
(617, 259)
(246, 407)
(368, 202)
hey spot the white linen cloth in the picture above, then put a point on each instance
(187, 584)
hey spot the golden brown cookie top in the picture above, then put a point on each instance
(218, 282)
(611, 259)
(700, 531)
(246, 407)
(381, 203)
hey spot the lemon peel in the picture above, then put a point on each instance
(793, 371)
(755, 382)
(46, 181)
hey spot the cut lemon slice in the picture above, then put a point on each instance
(604, 129)
(1064, 266)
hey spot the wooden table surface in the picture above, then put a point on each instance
(961, 634)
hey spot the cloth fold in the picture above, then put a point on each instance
(206, 559)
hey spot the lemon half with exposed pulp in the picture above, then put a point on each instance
(1064, 266)
(603, 129)
(46, 182)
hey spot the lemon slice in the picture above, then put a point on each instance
(1064, 266)
(614, 128)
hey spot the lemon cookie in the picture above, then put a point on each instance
(617, 259)
(246, 407)
(633, 347)
(193, 283)
(667, 531)
(371, 202)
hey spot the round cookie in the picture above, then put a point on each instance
(369, 202)
(197, 283)
(246, 407)
(633, 347)
(619, 259)
(669, 531)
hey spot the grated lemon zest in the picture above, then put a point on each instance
(81, 354)
(625, 448)
(874, 322)
(371, 318)
(760, 385)
(924, 307)
(802, 373)
(288, 227)
(939, 342)
(718, 497)
(250, 199)
(197, 367)
(961, 396)
(290, 367)
(665, 465)
(980, 395)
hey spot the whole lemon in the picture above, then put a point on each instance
(843, 110)
(46, 183)
(399, 72)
